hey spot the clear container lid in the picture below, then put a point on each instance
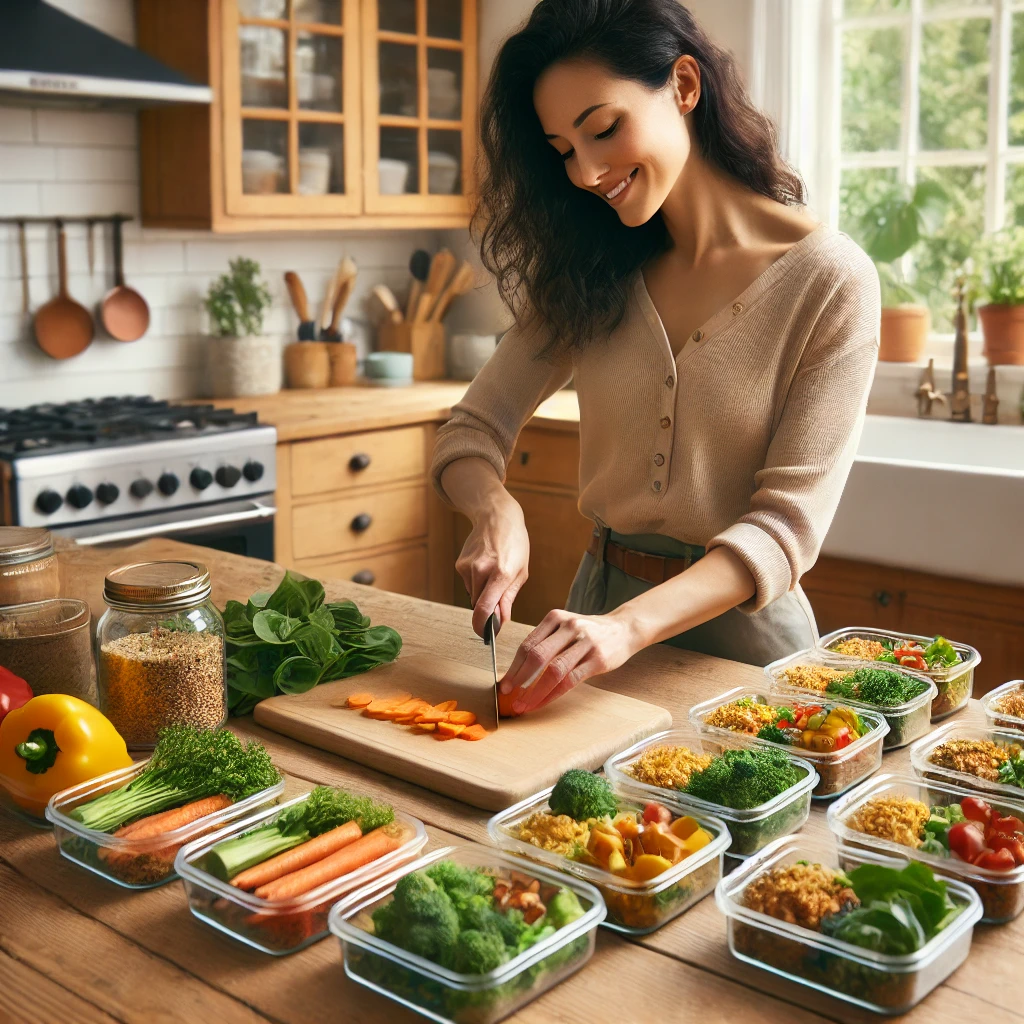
(921, 751)
(791, 849)
(143, 586)
(779, 684)
(932, 794)
(616, 765)
(970, 658)
(878, 727)
(42, 620)
(343, 917)
(500, 829)
(19, 544)
(993, 697)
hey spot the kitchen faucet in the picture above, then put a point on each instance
(960, 403)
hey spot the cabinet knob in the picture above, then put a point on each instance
(524, 458)
(883, 597)
(366, 577)
(358, 462)
(362, 522)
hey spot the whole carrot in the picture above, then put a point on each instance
(374, 844)
(299, 856)
(180, 816)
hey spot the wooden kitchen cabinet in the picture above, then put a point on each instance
(326, 114)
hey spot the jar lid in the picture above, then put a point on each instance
(167, 585)
(42, 618)
(24, 544)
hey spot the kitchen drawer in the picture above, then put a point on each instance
(358, 460)
(338, 526)
(401, 572)
(549, 457)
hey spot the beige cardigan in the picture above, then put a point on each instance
(743, 440)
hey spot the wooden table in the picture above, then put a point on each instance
(76, 948)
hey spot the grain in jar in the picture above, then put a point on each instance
(29, 571)
(161, 651)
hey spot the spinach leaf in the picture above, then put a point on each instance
(273, 627)
(891, 928)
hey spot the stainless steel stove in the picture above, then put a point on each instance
(118, 469)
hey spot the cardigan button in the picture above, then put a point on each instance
(659, 459)
(737, 307)
(666, 422)
(657, 485)
(697, 335)
(670, 381)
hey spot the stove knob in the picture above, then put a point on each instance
(228, 476)
(79, 496)
(252, 471)
(107, 494)
(48, 502)
(141, 488)
(168, 484)
(200, 479)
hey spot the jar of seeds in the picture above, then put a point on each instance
(160, 651)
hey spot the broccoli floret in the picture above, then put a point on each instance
(772, 733)
(384, 921)
(563, 908)
(413, 892)
(534, 933)
(461, 883)
(880, 686)
(423, 919)
(582, 795)
(744, 778)
(478, 952)
(478, 913)
(510, 926)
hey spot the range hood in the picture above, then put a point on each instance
(48, 57)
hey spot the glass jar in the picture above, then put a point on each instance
(160, 651)
(28, 565)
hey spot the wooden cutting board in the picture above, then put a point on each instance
(527, 754)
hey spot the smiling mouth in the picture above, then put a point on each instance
(622, 185)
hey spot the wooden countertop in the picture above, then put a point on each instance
(74, 947)
(302, 414)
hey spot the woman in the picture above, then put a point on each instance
(653, 248)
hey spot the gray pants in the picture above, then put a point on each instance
(787, 625)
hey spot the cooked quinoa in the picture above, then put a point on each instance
(742, 716)
(856, 647)
(555, 832)
(899, 819)
(801, 894)
(1012, 703)
(812, 677)
(667, 767)
(980, 758)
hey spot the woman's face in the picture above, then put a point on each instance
(619, 139)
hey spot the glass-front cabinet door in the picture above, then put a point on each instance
(291, 107)
(419, 105)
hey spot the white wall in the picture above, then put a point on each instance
(75, 162)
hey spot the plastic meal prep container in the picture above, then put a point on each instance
(907, 722)
(921, 751)
(135, 863)
(284, 926)
(1000, 719)
(880, 982)
(837, 770)
(448, 996)
(634, 908)
(954, 682)
(750, 828)
(1001, 892)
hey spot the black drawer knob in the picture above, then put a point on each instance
(366, 577)
(362, 522)
(358, 462)
(884, 598)
(524, 458)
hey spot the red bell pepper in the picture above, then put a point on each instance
(996, 860)
(14, 692)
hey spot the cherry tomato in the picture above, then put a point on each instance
(1015, 846)
(996, 860)
(966, 840)
(976, 809)
(910, 658)
(657, 812)
(1008, 825)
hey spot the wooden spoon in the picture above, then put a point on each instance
(346, 282)
(386, 299)
(63, 327)
(461, 282)
(123, 311)
(441, 267)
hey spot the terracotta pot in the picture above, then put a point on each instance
(904, 334)
(307, 364)
(1003, 328)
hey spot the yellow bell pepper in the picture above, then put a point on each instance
(53, 742)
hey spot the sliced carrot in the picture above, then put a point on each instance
(449, 728)
(473, 732)
(374, 715)
(432, 717)
(359, 700)
(425, 726)
(409, 707)
(461, 717)
(443, 735)
(406, 719)
(446, 705)
(386, 703)
(298, 857)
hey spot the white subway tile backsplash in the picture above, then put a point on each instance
(97, 164)
(20, 200)
(27, 163)
(16, 124)
(72, 127)
(80, 199)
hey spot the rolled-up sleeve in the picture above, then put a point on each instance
(501, 398)
(813, 447)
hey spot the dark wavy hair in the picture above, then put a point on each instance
(560, 255)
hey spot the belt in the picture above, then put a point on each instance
(652, 569)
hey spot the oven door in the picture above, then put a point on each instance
(244, 527)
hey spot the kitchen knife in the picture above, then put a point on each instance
(490, 632)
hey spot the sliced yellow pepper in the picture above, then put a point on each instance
(53, 742)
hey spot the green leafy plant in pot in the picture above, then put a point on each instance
(997, 288)
(889, 230)
(241, 360)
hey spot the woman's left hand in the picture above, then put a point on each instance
(564, 650)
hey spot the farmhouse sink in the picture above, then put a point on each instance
(935, 496)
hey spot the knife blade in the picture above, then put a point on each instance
(490, 632)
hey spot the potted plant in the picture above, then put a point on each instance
(241, 360)
(998, 288)
(890, 229)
